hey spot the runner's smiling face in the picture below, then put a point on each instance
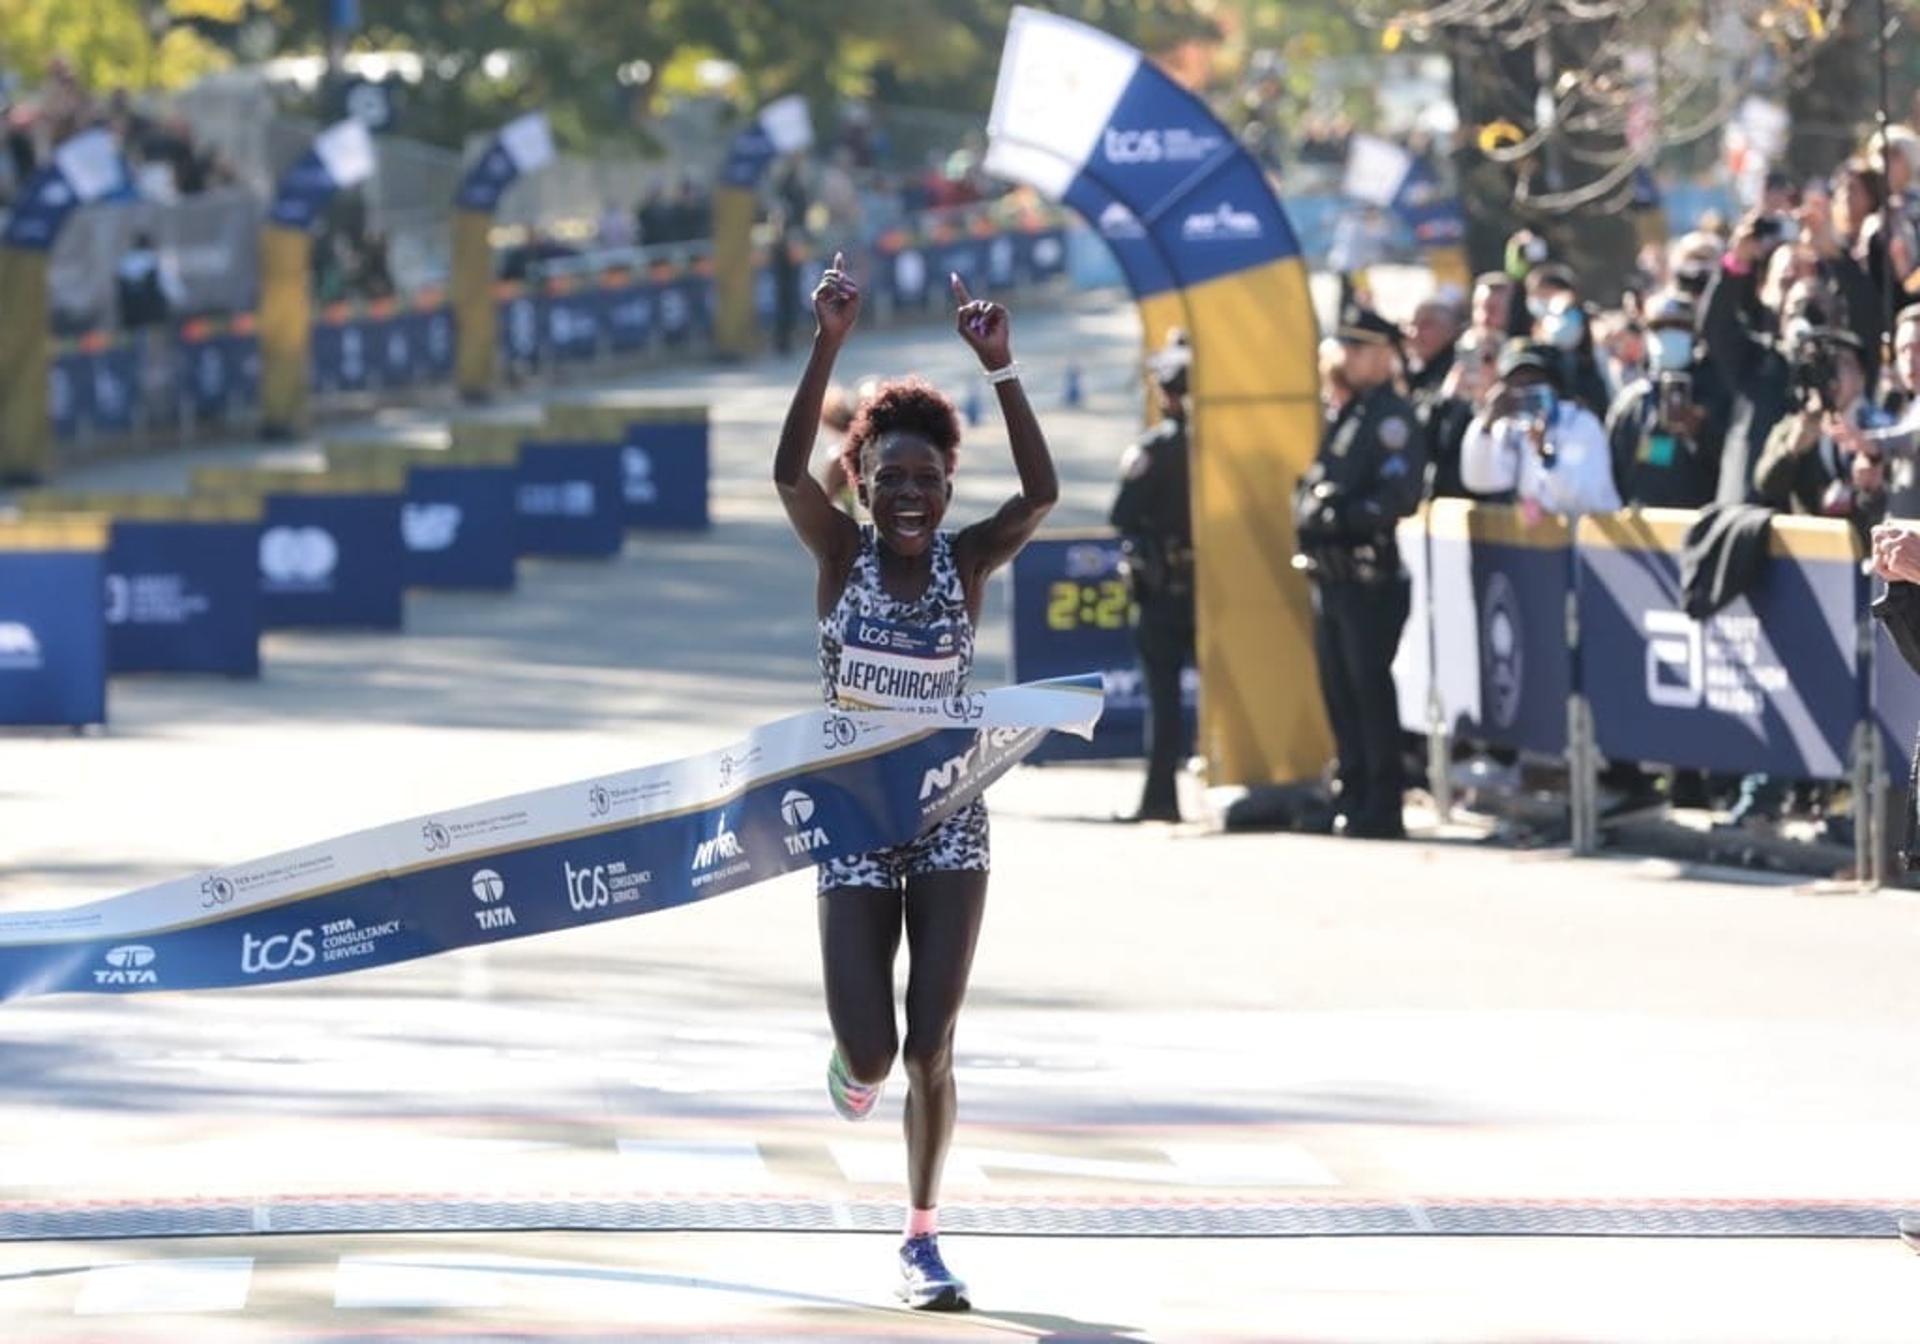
(906, 490)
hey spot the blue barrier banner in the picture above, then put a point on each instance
(573, 325)
(908, 276)
(815, 786)
(68, 386)
(459, 524)
(520, 329)
(626, 315)
(53, 635)
(397, 349)
(1499, 590)
(663, 475)
(434, 343)
(332, 560)
(568, 499)
(342, 359)
(182, 596)
(1072, 616)
(1770, 683)
(681, 306)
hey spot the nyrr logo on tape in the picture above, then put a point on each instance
(989, 748)
(131, 964)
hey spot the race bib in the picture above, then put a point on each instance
(885, 665)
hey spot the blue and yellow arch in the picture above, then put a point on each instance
(1205, 245)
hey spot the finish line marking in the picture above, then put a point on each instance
(1323, 1217)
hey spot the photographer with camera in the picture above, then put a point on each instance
(1809, 462)
(1667, 427)
(1532, 444)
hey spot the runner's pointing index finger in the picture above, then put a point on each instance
(960, 294)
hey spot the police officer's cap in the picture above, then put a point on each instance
(1540, 358)
(1670, 308)
(1173, 358)
(1363, 326)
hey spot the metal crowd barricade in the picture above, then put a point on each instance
(1575, 640)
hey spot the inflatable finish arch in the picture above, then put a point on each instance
(1204, 244)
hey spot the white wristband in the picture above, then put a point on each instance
(1004, 374)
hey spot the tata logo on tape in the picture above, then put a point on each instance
(298, 557)
(19, 648)
(430, 527)
(803, 837)
(1221, 225)
(128, 965)
(720, 847)
(488, 887)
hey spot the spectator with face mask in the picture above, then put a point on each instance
(1562, 322)
(1667, 427)
(1531, 444)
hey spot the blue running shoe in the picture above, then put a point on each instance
(854, 1101)
(926, 1284)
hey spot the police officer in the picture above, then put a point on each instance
(1155, 523)
(1367, 477)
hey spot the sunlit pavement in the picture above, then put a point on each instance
(1188, 1059)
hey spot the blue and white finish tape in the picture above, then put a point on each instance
(820, 785)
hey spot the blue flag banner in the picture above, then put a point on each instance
(815, 786)
(84, 169)
(783, 126)
(524, 145)
(341, 156)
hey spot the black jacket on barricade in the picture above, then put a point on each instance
(1723, 555)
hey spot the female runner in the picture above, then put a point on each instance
(898, 599)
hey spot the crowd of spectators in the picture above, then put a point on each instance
(1768, 363)
(161, 151)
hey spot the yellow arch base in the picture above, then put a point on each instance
(26, 434)
(1256, 429)
(286, 328)
(735, 332)
(475, 320)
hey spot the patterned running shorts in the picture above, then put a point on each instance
(956, 845)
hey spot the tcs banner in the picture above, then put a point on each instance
(1205, 245)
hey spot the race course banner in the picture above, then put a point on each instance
(820, 785)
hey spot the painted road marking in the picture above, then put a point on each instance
(165, 1286)
(694, 1165)
(376, 1283)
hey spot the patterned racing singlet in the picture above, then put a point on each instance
(877, 652)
